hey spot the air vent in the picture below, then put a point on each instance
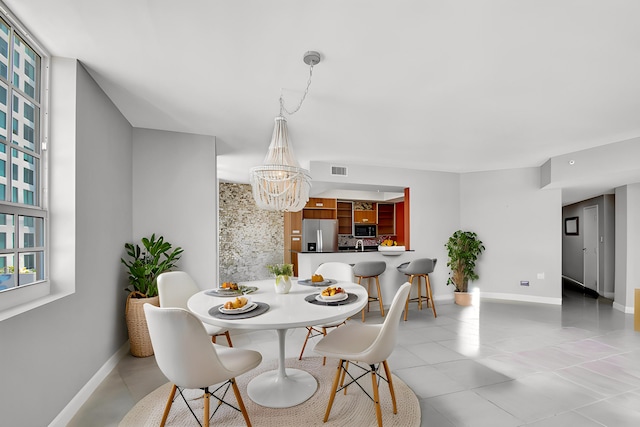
(339, 170)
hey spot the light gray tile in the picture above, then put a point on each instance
(606, 386)
(426, 381)
(566, 419)
(467, 409)
(470, 373)
(434, 353)
(611, 413)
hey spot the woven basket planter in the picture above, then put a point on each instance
(139, 339)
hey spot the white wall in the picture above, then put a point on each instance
(49, 353)
(175, 194)
(627, 246)
(519, 225)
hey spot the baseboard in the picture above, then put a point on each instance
(622, 308)
(85, 392)
(522, 298)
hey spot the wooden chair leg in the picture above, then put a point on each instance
(226, 334)
(429, 293)
(205, 420)
(419, 292)
(359, 283)
(324, 359)
(376, 396)
(167, 407)
(380, 297)
(406, 305)
(245, 414)
(387, 372)
(344, 374)
(334, 388)
(309, 330)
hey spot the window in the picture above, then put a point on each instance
(23, 217)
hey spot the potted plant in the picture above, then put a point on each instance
(283, 273)
(144, 265)
(463, 249)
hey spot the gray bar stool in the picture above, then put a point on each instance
(369, 270)
(419, 268)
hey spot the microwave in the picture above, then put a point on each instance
(365, 230)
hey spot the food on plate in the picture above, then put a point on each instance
(229, 285)
(317, 278)
(388, 242)
(331, 291)
(235, 304)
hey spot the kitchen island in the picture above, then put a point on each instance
(390, 280)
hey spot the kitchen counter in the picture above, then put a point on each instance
(390, 280)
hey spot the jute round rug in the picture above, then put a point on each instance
(354, 409)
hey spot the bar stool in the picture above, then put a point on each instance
(369, 270)
(419, 268)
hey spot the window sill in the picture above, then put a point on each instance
(27, 298)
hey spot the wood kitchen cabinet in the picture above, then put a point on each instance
(364, 217)
(317, 208)
(386, 219)
(345, 218)
(292, 238)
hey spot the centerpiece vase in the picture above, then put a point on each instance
(283, 284)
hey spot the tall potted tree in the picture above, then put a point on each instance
(463, 250)
(144, 266)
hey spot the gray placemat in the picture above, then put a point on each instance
(222, 292)
(312, 299)
(308, 282)
(261, 308)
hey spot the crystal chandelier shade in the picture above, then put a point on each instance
(280, 184)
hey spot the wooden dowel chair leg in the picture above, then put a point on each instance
(376, 395)
(167, 407)
(240, 402)
(334, 388)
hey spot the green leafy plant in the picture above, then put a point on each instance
(281, 269)
(144, 266)
(463, 249)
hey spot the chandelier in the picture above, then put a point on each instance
(280, 184)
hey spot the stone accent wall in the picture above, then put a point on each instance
(250, 238)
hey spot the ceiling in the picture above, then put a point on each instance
(456, 86)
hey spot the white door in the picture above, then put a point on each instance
(590, 248)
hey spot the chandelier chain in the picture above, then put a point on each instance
(304, 95)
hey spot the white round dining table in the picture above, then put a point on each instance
(284, 387)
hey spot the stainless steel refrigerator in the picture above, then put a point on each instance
(320, 235)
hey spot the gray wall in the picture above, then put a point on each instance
(518, 224)
(250, 237)
(49, 353)
(175, 195)
(627, 246)
(572, 253)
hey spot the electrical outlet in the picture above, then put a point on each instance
(524, 283)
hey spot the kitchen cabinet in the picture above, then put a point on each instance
(364, 217)
(386, 219)
(318, 208)
(345, 217)
(292, 238)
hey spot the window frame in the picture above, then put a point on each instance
(22, 298)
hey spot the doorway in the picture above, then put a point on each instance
(590, 249)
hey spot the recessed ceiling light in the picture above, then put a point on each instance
(572, 162)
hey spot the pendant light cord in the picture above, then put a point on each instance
(284, 109)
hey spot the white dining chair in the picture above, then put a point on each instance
(188, 359)
(339, 271)
(175, 288)
(366, 344)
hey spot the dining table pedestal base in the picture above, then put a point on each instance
(282, 388)
(272, 390)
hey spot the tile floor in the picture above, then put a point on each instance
(494, 364)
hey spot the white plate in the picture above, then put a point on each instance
(337, 297)
(248, 307)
